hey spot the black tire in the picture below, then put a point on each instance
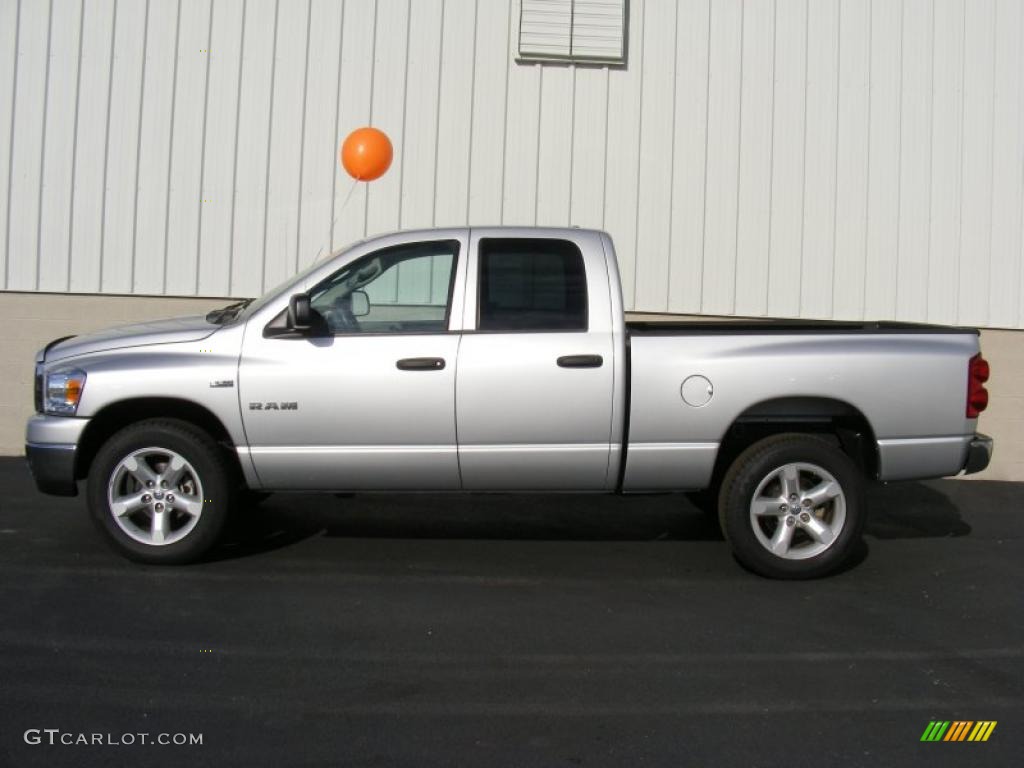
(805, 554)
(213, 474)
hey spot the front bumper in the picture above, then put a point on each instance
(979, 454)
(50, 447)
(53, 468)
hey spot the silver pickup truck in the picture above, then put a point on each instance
(499, 359)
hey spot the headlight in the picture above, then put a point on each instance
(63, 391)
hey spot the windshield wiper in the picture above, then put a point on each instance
(227, 313)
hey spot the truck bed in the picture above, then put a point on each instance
(687, 326)
(906, 381)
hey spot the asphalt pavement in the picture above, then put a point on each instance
(480, 630)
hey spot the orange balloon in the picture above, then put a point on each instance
(366, 154)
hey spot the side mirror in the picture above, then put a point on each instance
(360, 303)
(300, 314)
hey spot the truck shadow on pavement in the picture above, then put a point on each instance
(287, 518)
(901, 511)
(913, 511)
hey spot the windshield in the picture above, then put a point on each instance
(241, 310)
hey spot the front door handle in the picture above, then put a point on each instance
(580, 361)
(420, 364)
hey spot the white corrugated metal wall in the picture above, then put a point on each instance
(831, 158)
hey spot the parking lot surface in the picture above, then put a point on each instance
(484, 630)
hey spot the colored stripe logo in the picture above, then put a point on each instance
(959, 730)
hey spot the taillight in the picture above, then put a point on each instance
(977, 395)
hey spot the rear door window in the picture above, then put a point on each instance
(531, 284)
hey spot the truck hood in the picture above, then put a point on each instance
(192, 328)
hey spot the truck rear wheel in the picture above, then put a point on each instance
(792, 507)
(161, 491)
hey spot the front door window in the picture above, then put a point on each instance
(405, 289)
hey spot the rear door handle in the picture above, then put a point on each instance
(580, 361)
(420, 364)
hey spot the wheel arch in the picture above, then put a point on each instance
(824, 416)
(116, 416)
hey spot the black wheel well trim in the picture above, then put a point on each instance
(806, 414)
(115, 416)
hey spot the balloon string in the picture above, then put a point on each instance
(337, 216)
(348, 197)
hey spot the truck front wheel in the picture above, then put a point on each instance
(161, 491)
(792, 507)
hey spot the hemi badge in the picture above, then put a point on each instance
(222, 383)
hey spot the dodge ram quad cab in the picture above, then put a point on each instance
(499, 359)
